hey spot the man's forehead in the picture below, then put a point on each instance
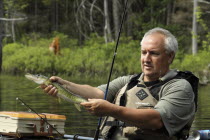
(153, 37)
(153, 50)
(153, 41)
(153, 47)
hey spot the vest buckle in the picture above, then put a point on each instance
(115, 123)
(121, 124)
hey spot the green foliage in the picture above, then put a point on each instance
(11, 48)
(93, 59)
(204, 38)
(128, 57)
(64, 40)
(194, 63)
(198, 62)
(26, 59)
(200, 20)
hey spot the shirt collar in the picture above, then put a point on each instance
(170, 74)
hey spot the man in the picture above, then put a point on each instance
(155, 104)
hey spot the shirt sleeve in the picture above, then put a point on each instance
(176, 105)
(114, 86)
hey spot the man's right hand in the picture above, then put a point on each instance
(50, 89)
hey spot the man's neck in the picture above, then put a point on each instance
(154, 77)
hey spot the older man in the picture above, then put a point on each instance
(155, 104)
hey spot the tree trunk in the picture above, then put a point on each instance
(151, 14)
(13, 31)
(1, 31)
(56, 15)
(129, 19)
(35, 15)
(107, 29)
(168, 14)
(66, 9)
(115, 7)
(194, 29)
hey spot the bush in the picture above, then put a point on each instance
(94, 58)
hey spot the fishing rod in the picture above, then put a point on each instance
(38, 115)
(112, 65)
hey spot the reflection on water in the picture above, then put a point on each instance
(11, 87)
(81, 123)
(202, 118)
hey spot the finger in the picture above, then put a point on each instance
(47, 88)
(53, 78)
(50, 90)
(93, 100)
(90, 99)
(43, 86)
(53, 91)
(86, 104)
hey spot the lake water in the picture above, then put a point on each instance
(81, 123)
(11, 87)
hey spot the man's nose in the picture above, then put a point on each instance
(147, 57)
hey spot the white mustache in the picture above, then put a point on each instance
(147, 64)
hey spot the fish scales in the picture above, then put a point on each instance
(63, 93)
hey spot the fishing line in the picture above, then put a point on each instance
(115, 53)
(44, 119)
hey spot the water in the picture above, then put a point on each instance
(11, 87)
(202, 118)
(81, 123)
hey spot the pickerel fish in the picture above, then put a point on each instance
(62, 92)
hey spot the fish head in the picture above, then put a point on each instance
(37, 78)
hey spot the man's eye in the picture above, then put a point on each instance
(143, 52)
(155, 53)
(150, 53)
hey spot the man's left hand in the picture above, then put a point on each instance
(98, 107)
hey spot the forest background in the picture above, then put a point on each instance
(87, 31)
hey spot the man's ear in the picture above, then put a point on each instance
(171, 57)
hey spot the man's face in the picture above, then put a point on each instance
(154, 59)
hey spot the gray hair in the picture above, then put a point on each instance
(171, 44)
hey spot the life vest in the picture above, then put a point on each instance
(135, 94)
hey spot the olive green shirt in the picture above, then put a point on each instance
(176, 101)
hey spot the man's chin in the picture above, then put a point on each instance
(150, 74)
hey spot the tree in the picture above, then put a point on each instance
(88, 17)
(115, 7)
(169, 12)
(1, 30)
(107, 28)
(55, 14)
(194, 29)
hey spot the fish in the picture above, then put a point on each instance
(62, 93)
